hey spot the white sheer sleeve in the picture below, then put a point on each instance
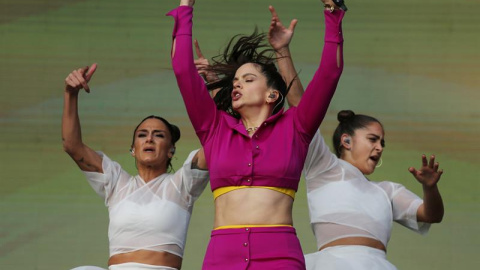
(190, 182)
(321, 165)
(319, 158)
(404, 206)
(105, 183)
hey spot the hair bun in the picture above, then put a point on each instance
(345, 116)
(175, 133)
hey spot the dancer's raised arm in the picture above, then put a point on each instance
(428, 175)
(318, 94)
(279, 38)
(86, 158)
(200, 107)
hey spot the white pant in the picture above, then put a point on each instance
(348, 258)
(138, 266)
(126, 266)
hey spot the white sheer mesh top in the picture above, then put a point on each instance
(344, 203)
(148, 216)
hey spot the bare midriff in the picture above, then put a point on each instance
(359, 241)
(147, 257)
(253, 206)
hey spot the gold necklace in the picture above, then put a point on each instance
(250, 129)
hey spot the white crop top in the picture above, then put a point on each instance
(148, 216)
(344, 203)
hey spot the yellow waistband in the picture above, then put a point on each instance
(220, 191)
(250, 226)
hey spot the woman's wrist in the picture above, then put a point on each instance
(188, 3)
(70, 93)
(283, 51)
(429, 188)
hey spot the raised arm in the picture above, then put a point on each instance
(198, 161)
(314, 104)
(86, 158)
(279, 38)
(200, 107)
(431, 211)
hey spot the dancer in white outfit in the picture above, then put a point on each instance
(351, 216)
(150, 212)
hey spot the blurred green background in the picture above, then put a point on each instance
(413, 64)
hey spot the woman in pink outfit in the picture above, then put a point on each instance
(254, 149)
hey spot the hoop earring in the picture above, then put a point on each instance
(379, 165)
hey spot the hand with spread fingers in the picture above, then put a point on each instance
(429, 174)
(79, 78)
(432, 209)
(279, 36)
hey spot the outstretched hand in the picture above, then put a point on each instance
(429, 174)
(278, 35)
(79, 78)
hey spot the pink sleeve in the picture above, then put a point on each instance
(200, 107)
(312, 108)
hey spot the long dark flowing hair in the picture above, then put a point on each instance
(243, 49)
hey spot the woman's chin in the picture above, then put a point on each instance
(367, 170)
(150, 162)
(236, 106)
